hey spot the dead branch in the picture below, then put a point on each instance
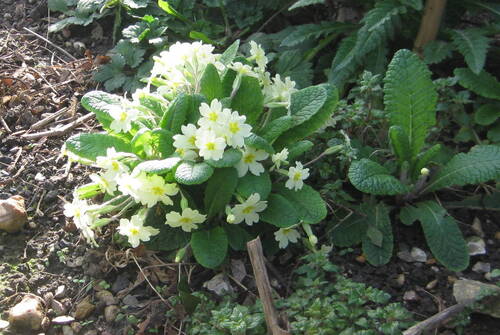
(52, 44)
(429, 26)
(59, 132)
(435, 320)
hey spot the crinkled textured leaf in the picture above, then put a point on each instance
(291, 63)
(487, 114)
(410, 98)
(133, 55)
(437, 51)
(276, 127)
(297, 149)
(249, 100)
(258, 142)
(158, 166)
(378, 218)
(415, 4)
(307, 102)
(345, 62)
(349, 231)
(494, 133)
(209, 247)
(219, 191)
(99, 103)
(483, 83)
(400, 144)
(229, 159)
(176, 114)
(424, 158)
(308, 202)
(473, 45)
(90, 146)
(211, 84)
(480, 164)
(190, 173)
(443, 236)
(250, 184)
(305, 32)
(372, 178)
(280, 212)
(408, 215)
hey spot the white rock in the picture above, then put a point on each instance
(219, 285)
(418, 255)
(476, 246)
(60, 291)
(477, 228)
(481, 267)
(405, 256)
(410, 296)
(63, 320)
(12, 214)
(28, 314)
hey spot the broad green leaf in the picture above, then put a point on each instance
(494, 133)
(487, 114)
(276, 127)
(249, 100)
(172, 11)
(280, 212)
(473, 45)
(250, 184)
(400, 144)
(190, 173)
(345, 62)
(209, 247)
(211, 84)
(443, 236)
(157, 143)
(306, 32)
(437, 51)
(350, 231)
(193, 113)
(408, 215)
(176, 114)
(100, 103)
(379, 227)
(227, 57)
(479, 165)
(169, 238)
(307, 102)
(227, 82)
(229, 159)
(297, 149)
(307, 201)
(372, 178)
(158, 166)
(410, 98)
(314, 122)
(58, 5)
(219, 191)
(258, 142)
(238, 237)
(90, 146)
(153, 103)
(484, 84)
(415, 4)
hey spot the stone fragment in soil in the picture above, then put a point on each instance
(418, 255)
(110, 313)
(405, 256)
(476, 246)
(467, 291)
(4, 324)
(28, 314)
(481, 267)
(12, 214)
(120, 283)
(432, 284)
(410, 296)
(477, 228)
(60, 292)
(130, 300)
(67, 330)
(106, 297)
(219, 285)
(63, 320)
(238, 269)
(84, 309)
(58, 308)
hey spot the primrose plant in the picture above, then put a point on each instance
(205, 156)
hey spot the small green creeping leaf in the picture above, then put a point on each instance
(378, 241)
(249, 100)
(190, 173)
(229, 159)
(280, 212)
(219, 191)
(158, 166)
(309, 205)
(209, 246)
(211, 84)
(90, 146)
(372, 178)
(251, 184)
(258, 142)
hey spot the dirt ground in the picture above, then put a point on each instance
(40, 87)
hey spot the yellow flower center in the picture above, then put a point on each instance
(297, 176)
(157, 190)
(249, 158)
(123, 116)
(248, 209)
(134, 231)
(192, 140)
(185, 220)
(234, 127)
(210, 146)
(180, 151)
(115, 166)
(212, 116)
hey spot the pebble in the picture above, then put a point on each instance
(400, 280)
(110, 313)
(405, 256)
(60, 292)
(106, 297)
(410, 296)
(40, 177)
(76, 326)
(67, 330)
(130, 300)
(432, 284)
(477, 228)
(58, 308)
(120, 283)
(84, 309)
(13, 214)
(79, 46)
(361, 259)
(28, 314)
(418, 255)
(481, 267)
(63, 320)
(7, 16)
(476, 246)
(497, 235)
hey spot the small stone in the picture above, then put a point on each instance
(106, 297)
(60, 292)
(76, 326)
(418, 255)
(451, 279)
(40, 177)
(410, 296)
(361, 259)
(79, 46)
(432, 284)
(4, 324)
(431, 261)
(466, 291)
(476, 246)
(130, 300)
(497, 235)
(63, 320)
(238, 269)
(110, 313)
(74, 263)
(477, 228)
(12, 214)
(400, 280)
(47, 298)
(67, 330)
(28, 314)
(405, 256)
(481, 267)
(7, 16)
(84, 309)
(120, 283)
(66, 33)
(219, 285)
(58, 308)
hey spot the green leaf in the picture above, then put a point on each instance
(408, 215)
(415, 4)
(176, 114)
(487, 114)
(483, 83)
(280, 212)
(100, 103)
(58, 5)
(133, 55)
(297, 149)
(410, 98)
(258, 142)
(172, 11)
(210, 84)
(209, 247)
(190, 173)
(169, 238)
(276, 127)
(227, 82)
(90, 146)
(379, 230)
(437, 51)
(304, 3)
(400, 144)
(193, 113)
(314, 122)
(350, 231)
(372, 178)
(443, 236)
(157, 143)
(306, 102)
(228, 56)
(307, 201)
(309, 31)
(219, 191)
(249, 100)
(494, 133)
(473, 45)
(229, 159)
(345, 62)
(237, 236)
(480, 164)
(158, 166)
(250, 184)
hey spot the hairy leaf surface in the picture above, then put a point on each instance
(372, 178)
(473, 45)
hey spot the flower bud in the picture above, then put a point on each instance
(424, 172)
(231, 218)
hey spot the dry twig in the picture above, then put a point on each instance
(49, 42)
